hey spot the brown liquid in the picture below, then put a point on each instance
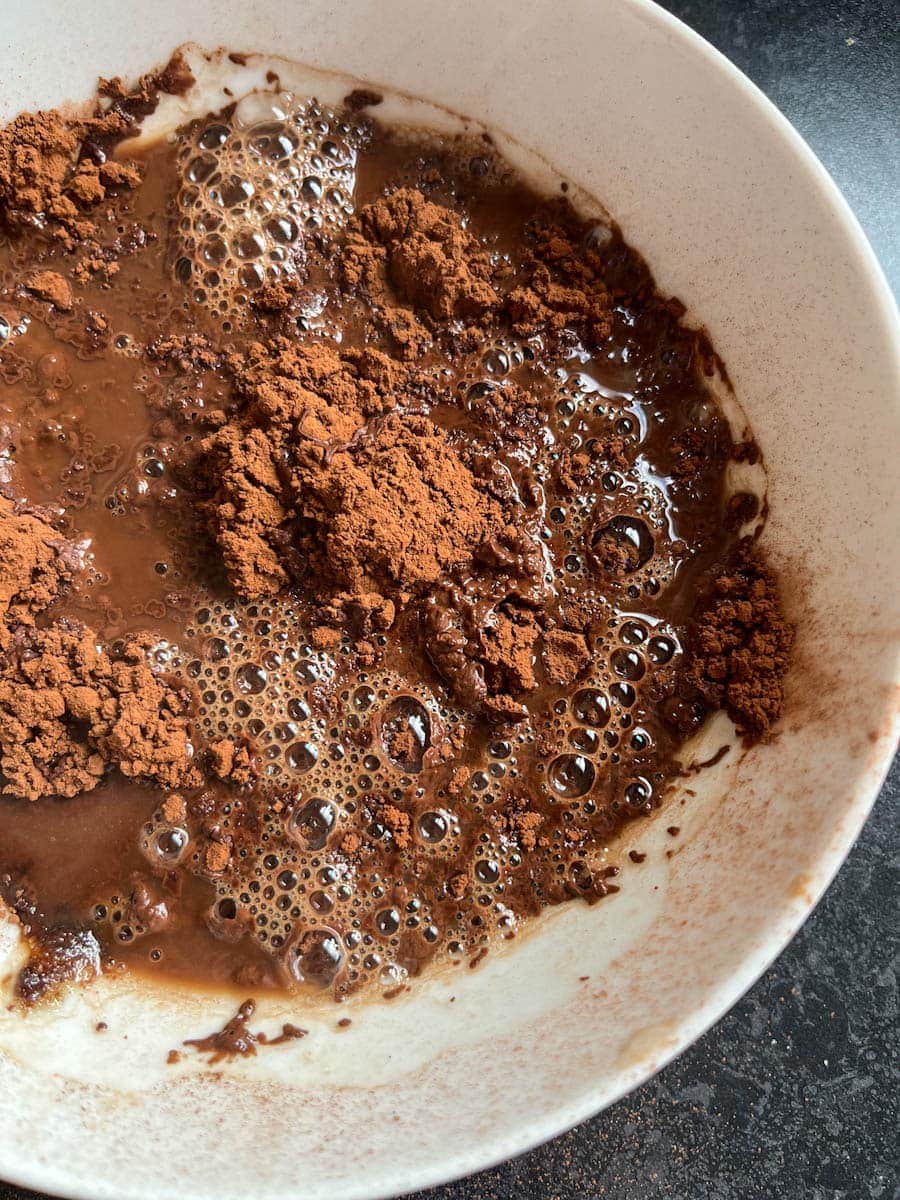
(502, 825)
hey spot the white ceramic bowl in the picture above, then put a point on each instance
(738, 218)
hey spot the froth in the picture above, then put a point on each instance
(328, 740)
(253, 186)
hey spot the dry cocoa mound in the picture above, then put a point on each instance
(50, 286)
(68, 709)
(740, 644)
(396, 509)
(36, 564)
(564, 284)
(409, 248)
(44, 185)
(297, 401)
(315, 479)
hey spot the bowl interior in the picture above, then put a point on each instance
(738, 219)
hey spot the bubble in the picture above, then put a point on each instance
(661, 649)
(302, 756)
(624, 693)
(306, 671)
(5, 330)
(433, 827)
(406, 732)
(213, 137)
(633, 634)
(216, 649)
(298, 710)
(591, 707)
(248, 244)
(480, 391)
(628, 663)
(199, 169)
(630, 536)
(250, 678)
(363, 698)
(638, 792)
(487, 871)
(312, 823)
(586, 741)
(334, 149)
(316, 957)
(571, 775)
(282, 230)
(311, 188)
(496, 361)
(214, 252)
(171, 844)
(387, 922)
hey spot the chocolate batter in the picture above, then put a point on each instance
(369, 551)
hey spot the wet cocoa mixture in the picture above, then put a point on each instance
(369, 546)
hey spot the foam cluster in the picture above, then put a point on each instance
(253, 187)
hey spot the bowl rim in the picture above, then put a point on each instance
(559, 1117)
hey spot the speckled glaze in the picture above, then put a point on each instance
(739, 220)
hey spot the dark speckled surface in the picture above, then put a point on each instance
(795, 1095)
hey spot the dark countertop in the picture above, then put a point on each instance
(796, 1092)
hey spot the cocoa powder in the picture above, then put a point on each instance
(407, 247)
(54, 169)
(37, 565)
(68, 709)
(316, 479)
(742, 644)
(565, 284)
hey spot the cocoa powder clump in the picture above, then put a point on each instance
(411, 248)
(68, 710)
(54, 169)
(299, 404)
(50, 286)
(398, 509)
(317, 479)
(44, 186)
(565, 655)
(564, 284)
(741, 644)
(36, 565)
